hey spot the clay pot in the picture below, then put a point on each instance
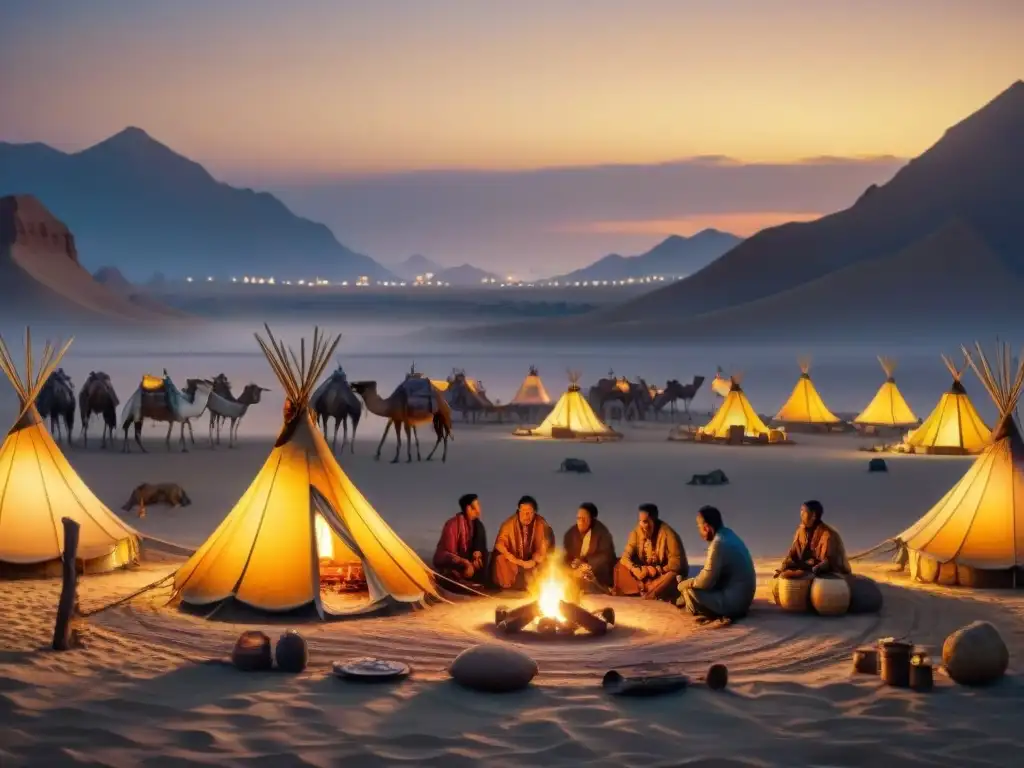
(252, 652)
(291, 652)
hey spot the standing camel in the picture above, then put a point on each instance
(467, 396)
(224, 406)
(410, 405)
(675, 391)
(164, 403)
(98, 396)
(335, 398)
(56, 401)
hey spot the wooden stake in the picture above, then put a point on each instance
(68, 589)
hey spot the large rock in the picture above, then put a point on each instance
(975, 654)
(493, 668)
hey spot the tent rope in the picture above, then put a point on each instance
(123, 600)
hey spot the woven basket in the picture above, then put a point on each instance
(830, 596)
(794, 594)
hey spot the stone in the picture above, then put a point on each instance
(877, 465)
(975, 654)
(493, 668)
(717, 677)
(714, 477)
(574, 465)
(291, 652)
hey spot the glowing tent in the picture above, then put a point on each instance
(531, 391)
(887, 408)
(572, 417)
(954, 426)
(735, 410)
(974, 535)
(805, 405)
(302, 518)
(38, 487)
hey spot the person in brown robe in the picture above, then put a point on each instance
(653, 558)
(521, 546)
(589, 550)
(461, 553)
(817, 548)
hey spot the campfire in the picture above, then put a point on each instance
(555, 609)
(335, 575)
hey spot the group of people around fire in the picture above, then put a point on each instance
(653, 565)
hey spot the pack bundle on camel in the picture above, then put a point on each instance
(416, 401)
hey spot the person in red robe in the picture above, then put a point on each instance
(461, 553)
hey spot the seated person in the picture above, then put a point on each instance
(521, 546)
(461, 553)
(724, 589)
(653, 558)
(817, 548)
(589, 549)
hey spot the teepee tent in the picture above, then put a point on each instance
(977, 528)
(954, 426)
(572, 417)
(38, 487)
(531, 391)
(735, 410)
(805, 405)
(300, 513)
(887, 408)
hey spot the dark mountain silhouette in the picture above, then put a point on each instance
(415, 265)
(136, 204)
(675, 256)
(974, 173)
(113, 279)
(465, 275)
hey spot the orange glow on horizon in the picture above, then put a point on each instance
(742, 223)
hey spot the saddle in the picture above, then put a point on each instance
(152, 383)
(420, 394)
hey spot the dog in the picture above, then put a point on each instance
(171, 494)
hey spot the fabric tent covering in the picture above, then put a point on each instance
(531, 391)
(266, 553)
(979, 524)
(805, 405)
(887, 408)
(572, 417)
(735, 410)
(38, 487)
(954, 426)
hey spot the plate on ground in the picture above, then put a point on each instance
(370, 669)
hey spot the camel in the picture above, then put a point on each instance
(466, 396)
(634, 397)
(402, 409)
(224, 406)
(98, 396)
(335, 398)
(675, 391)
(56, 401)
(164, 403)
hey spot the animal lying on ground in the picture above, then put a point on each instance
(171, 494)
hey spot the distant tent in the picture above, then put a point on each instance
(572, 417)
(531, 391)
(887, 408)
(38, 487)
(954, 426)
(805, 405)
(735, 410)
(302, 518)
(977, 528)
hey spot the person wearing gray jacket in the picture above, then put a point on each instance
(724, 589)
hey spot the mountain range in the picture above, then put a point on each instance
(136, 204)
(675, 256)
(939, 245)
(464, 275)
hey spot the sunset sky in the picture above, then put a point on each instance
(315, 99)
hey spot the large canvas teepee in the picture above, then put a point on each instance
(954, 426)
(531, 391)
(572, 417)
(301, 510)
(735, 410)
(38, 487)
(805, 405)
(887, 408)
(978, 526)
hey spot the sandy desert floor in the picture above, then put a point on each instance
(147, 688)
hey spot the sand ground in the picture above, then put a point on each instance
(143, 690)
